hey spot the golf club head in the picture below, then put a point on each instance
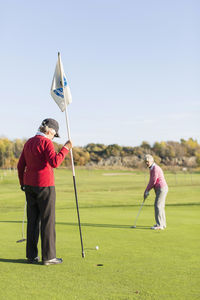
(134, 226)
(20, 241)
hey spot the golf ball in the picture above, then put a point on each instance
(97, 247)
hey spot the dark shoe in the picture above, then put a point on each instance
(33, 260)
(53, 261)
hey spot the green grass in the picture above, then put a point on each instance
(137, 263)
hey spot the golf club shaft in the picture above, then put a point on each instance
(23, 238)
(23, 220)
(138, 213)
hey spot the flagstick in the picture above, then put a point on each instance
(72, 161)
(74, 181)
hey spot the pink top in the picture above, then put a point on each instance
(157, 179)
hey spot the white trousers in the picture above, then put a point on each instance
(159, 206)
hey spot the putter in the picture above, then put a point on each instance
(134, 226)
(23, 238)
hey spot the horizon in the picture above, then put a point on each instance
(96, 143)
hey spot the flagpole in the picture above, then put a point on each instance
(72, 159)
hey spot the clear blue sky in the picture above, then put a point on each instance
(133, 68)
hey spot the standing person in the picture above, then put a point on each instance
(36, 177)
(158, 182)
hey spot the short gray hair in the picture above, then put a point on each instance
(148, 157)
(44, 129)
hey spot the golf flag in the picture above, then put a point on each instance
(60, 90)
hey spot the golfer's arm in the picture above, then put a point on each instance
(152, 181)
(21, 167)
(53, 158)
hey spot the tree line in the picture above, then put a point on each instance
(185, 153)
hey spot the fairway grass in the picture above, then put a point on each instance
(133, 263)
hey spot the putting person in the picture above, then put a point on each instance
(158, 182)
(36, 177)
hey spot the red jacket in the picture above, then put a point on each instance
(37, 160)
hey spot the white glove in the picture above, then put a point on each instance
(146, 194)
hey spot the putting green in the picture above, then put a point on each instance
(130, 263)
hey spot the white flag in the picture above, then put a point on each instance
(62, 98)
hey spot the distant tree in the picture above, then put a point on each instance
(179, 149)
(157, 159)
(112, 150)
(170, 151)
(6, 152)
(126, 151)
(95, 151)
(160, 149)
(18, 147)
(198, 159)
(145, 145)
(191, 146)
(165, 153)
(95, 147)
(140, 152)
(81, 156)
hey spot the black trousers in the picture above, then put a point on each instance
(41, 218)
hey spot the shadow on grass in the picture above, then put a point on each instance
(17, 261)
(91, 225)
(129, 206)
(103, 225)
(11, 221)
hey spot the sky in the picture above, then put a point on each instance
(133, 68)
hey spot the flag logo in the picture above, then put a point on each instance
(60, 90)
